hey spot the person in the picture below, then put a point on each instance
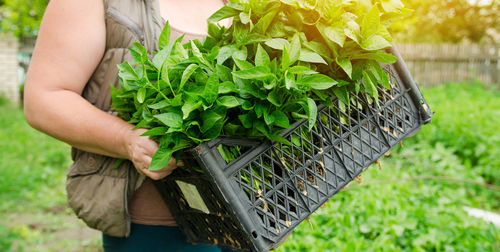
(67, 96)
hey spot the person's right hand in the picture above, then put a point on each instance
(141, 150)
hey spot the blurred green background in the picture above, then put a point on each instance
(414, 203)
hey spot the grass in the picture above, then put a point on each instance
(415, 203)
(32, 193)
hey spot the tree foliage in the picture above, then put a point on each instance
(21, 17)
(450, 21)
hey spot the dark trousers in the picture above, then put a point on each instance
(154, 239)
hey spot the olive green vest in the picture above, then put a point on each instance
(97, 191)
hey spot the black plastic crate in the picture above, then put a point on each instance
(253, 202)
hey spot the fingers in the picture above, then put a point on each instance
(158, 174)
(149, 147)
(142, 151)
(142, 144)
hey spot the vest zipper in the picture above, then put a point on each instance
(127, 22)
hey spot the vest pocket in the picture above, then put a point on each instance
(98, 199)
(86, 164)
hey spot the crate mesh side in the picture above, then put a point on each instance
(286, 183)
(397, 115)
(217, 227)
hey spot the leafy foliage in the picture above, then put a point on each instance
(451, 21)
(22, 17)
(474, 138)
(271, 68)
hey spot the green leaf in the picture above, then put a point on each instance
(381, 57)
(261, 57)
(209, 118)
(310, 56)
(240, 54)
(160, 58)
(370, 23)
(229, 101)
(312, 112)
(242, 64)
(290, 80)
(277, 43)
(224, 73)
(186, 74)
(285, 59)
(141, 95)
(301, 70)
(164, 38)
(246, 120)
(351, 28)
(247, 89)
(280, 119)
(227, 87)
(211, 90)
(317, 81)
(278, 138)
(126, 72)
(223, 13)
(294, 51)
(247, 105)
(139, 53)
(161, 158)
(170, 119)
(225, 53)
(333, 32)
(158, 131)
(392, 5)
(245, 17)
(176, 101)
(189, 106)
(270, 85)
(159, 105)
(342, 94)
(346, 65)
(197, 54)
(375, 42)
(214, 131)
(214, 31)
(268, 119)
(319, 48)
(260, 109)
(379, 74)
(370, 87)
(258, 72)
(265, 21)
(275, 97)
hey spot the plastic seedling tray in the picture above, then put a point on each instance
(253, 202)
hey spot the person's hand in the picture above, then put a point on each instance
(141, 150)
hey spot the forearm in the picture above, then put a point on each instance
(68, 117)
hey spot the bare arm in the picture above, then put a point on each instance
(69, 47)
